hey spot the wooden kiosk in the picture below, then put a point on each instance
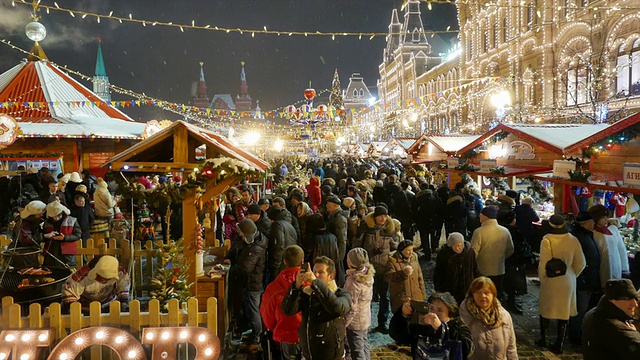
(173, 149)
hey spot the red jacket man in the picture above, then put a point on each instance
(314, 193)
(284, 328)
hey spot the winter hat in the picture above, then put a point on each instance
(263, 201)
(81, 188)
(490, 211)
(454, 238)
(583, 216)
(358, 257)
(620, 289)
(33, 208)
(65, 178)
(404, 244)
(348, 202)
(334, 199)
(273, 212)
(254, 209)
(512, 194)
(297, 196)
(506, 217)
(557, 224)
(101, 183)
(32, 170)
(598, 211)
(107, 268)
(54, 208)
(380, 210)
(248, 229)
(75, 177)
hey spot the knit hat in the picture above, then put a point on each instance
(107, 268)
(490, 211)
(247, 229)
(348, 202)
(334, 199)
(404, 244)
(454, 238)
(620, 289)
(598, 211)
(254, 209)
(81, 188)
(583, 216)
(33, 208)
(358, 257)
(380, 210)
(557, 224)
(54, 208)
(297, 196)
(75, 177)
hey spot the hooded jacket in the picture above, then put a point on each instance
(379, 241)
(314, 193)
(263, 224)
(402, 286)
(103, 201)
(322, 331)
(284, 327)
(282, 235)
(607, 335)
(453, 272)
(456, 215)
(249, 264)
(360, 285)
(337, 225)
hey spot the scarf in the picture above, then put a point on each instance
(603, 230)
(490, 318)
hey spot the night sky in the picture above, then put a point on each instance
(163, 62)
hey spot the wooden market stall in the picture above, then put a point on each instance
(398, 147)
(429, 150)
(173, 149)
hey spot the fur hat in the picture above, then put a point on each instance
(598, 211)
(75, 177)
(107, 268)
(248, 229)
(454, 238)
(557, 224)
(348, 202)
(404, 244)
(490, 211)
(81, 188)
(55, 208)
(358, 257)
(32, 170)
(583, 216)
(33, 208)
(380, 210)
(620, 289)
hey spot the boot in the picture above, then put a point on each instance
(556, 348)
(544, 325)
(512, 307)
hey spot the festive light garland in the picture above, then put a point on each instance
(623, 136)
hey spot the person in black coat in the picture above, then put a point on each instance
(525, 217)
(428, 215)
(337, 224)
(323, 305)
(248, 265)
(456, 215)
(323, 243)
(402, 203)
(515, 279)
(607, 330)
(407, 328)
(456, 267)
(281, 235)
(259, 218)
(83, 212)
(588, 282)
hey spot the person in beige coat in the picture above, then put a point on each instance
(404, 276)
(103, 200)
(558, 294)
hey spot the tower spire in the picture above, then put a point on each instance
(393, 39)
(201, 100)
(100, 79)
(243, 100)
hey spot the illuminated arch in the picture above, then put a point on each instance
(125, 345)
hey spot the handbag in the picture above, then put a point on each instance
(444, 349)
(555, 267)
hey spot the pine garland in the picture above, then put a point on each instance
(539, 191)
(579, 176)
(467, 166)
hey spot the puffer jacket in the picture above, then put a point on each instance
(322, 331)
(402, 286)
(337, 225)
(248, 263)
(103, 201)
(284, 327)
(378, 241)
(282, 235)
(456, 215)
(455, 272)
(263, 224)
(314, 193)
(360, 285)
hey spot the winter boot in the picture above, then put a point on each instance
(556, 348)
(512, 307)
(544, 326)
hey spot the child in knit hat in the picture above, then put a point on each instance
(360, 285)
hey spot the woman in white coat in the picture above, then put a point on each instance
(613, 254)
(558, 294)
(104, 202)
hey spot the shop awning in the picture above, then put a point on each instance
(509, 170)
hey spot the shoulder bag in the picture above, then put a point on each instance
(554, 267)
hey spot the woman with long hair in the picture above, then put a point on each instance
(490, 324)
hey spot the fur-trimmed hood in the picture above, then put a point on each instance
(453, 199)
(506, 199)
(365, 275)
(391, 227)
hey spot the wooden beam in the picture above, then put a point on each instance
(181, 145)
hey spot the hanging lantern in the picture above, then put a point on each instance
(306, 108)
(309, 94)
(322, 110)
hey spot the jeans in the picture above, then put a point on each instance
(358, 344)
(289, 351)
(583, 298)
(252, 313)
(381, 288)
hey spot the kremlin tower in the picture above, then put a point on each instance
(100, 79)
(243, 100)
(201, 99)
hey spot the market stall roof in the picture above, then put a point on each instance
(377, 146)
(509, 170)
(403, 143)
(445, 143)
(175, 147)
(48, 96)
(558, 138)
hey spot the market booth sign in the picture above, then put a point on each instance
(561, 168)
(631, 173)
(9, 130)
(487, 165)
(453, 162)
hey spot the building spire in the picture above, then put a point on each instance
(243, 100)
(201, 100)
(100, 79)
(393, 39)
